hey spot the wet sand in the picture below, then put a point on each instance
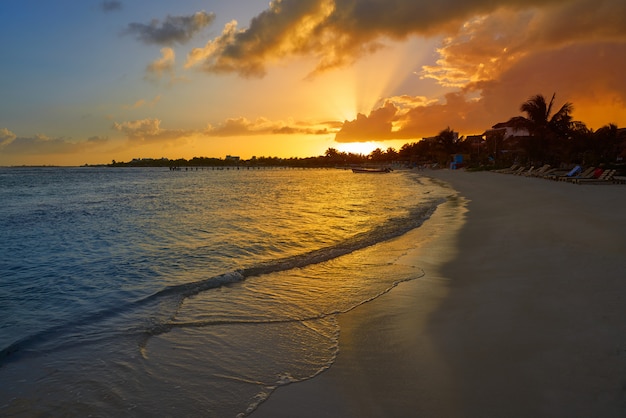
(521, 312)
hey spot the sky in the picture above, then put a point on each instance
(91, 81)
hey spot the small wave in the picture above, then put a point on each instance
(165, 302)
(216, 322)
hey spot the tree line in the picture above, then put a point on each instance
(540, 137)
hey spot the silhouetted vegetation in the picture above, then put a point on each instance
(539, 137)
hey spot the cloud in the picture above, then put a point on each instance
(588, 75)
(43, 145)
(263, 126)
(498, 60)
(174, 29)
(336, 32)
(412, 118)
(6, 137)
(457, 111)
(110, 6)
(97, 140)
(143, 103)
(149, 130)
(164, 66)
(376, 126)
(598, 92)
(486, 46)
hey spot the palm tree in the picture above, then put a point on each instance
(446, 145)
(447, 139)
(605, 143)
(538, 118)
(376, 155)
(548, 131)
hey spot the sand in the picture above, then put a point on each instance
(521, 312)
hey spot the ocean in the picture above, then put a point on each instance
(145, 291)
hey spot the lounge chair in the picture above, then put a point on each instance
(551, 172)
(555, 175)
(539, 172)
(619, 179)
(605, 178)
(524, 172)
(507, 170)
(587, 174)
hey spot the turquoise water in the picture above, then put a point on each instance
(146, 291)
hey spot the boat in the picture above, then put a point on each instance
(372, 170)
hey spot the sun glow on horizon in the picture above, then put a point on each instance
(363, 148)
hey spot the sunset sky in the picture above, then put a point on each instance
(89, 81)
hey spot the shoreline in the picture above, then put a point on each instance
(520, 313)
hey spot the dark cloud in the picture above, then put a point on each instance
(400, 18)
(110, 6)
(337, 32)
(375, 126)
(42, 145)
(173, 29)
(282, 30)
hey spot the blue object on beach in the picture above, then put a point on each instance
(574, 171)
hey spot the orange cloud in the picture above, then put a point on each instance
(143, 103)
(497, 60)
(149, 130)
(588, 75)
(417, 119)
(598, 92)
(262, 126)
(487, 45)
(164, 66)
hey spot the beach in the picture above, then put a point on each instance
(520, 312)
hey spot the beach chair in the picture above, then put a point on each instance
(573, 172)
(550, 172)
(507, 170)
(525, 172)
(587, 174)
(605, 178)
(539, 172)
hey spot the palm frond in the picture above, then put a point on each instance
(549, 109)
